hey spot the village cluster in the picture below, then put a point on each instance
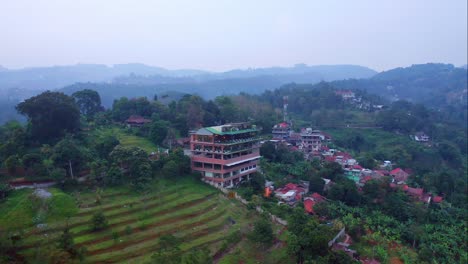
(314, 145)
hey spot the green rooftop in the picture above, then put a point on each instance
(214, 130)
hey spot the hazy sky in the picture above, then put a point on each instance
(220, 35)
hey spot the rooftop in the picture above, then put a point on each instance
(228, 129)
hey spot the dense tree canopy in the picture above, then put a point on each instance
(51, 114)
(88, 101)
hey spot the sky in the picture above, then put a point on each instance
(220, 35)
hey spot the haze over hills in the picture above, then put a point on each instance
(133, 80)
(46, 78)
(435, 85)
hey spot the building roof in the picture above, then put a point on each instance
(414, 191)
(309, 205)
(397, 170)
(357, 167)
(437, 199)
(227, 129)
(282, 125)
(317, 197)
(137, 119)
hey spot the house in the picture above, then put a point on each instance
(225, 155)
(415, 192)
(311, 140)
(400, 176)
(281, 131)
(136, 121)
(421, 137)
(345, 94)
(290, 192)
(437, 199)
(312, 200)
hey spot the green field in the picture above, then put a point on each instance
(126, 139)
(197, 213)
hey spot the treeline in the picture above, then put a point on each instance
(58, 141)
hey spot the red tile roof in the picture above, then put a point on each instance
(395, 171)
(367, 178)
(357, 167)
(415, 191)
(437, 199)
(309, 205)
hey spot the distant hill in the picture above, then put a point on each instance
(49, 78)
(210, 86)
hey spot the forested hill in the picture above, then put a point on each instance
(438, 86)
(136, 80)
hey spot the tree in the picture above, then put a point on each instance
(88, 101)
(228, 110)
(197, 256)
(105, 144)
(158, 131)
(367, 161)
(136, 161)
(316, 184)
(262, 233)
(170, 169)
(11, 163)
(68, 154)
(331, 170)
(310, 242)
(4, 191)
(31, 160)
(66, 242)
(114, 176)
(99, 221)
(51, 114)
(345, 190)
(169, 250)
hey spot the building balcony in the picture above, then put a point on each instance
(244, 173)
(228, 142)
(227, 162)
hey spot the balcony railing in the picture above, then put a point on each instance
(201, 158)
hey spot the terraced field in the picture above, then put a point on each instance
(192, 211)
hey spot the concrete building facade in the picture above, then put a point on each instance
(226, 154)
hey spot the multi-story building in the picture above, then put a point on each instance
(311, 142)
(281, 131)
(227, 154)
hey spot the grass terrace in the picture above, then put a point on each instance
(197, 213)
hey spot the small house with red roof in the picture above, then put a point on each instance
(415, 192)
(312, 200)
(437, 199)
(137, 121)
(399, 175)
(290, 192)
